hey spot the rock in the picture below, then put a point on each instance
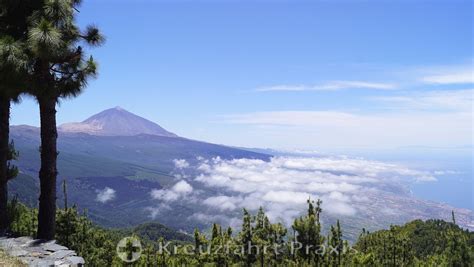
(61, 254)
(76, 261)
(52, 246)
(5, 242)
(37, 249)
(35, 242)
(23, 240)
(17, 252)
(39, 253)
(41, 263)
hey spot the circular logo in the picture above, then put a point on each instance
(129, 249)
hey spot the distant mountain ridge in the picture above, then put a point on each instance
(115, 122)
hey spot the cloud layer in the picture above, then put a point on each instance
(447, 100)
(433, 118)
(460, 77)
(330, 86)
(283, 185)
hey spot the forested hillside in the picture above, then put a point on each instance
(259, 242)
(432, 243)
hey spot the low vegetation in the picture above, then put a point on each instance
(7, 261)
(418, 243)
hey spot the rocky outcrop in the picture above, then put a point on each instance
(37, 253)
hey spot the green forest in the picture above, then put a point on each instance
(259, 242)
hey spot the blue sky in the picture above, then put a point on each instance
(285, 74)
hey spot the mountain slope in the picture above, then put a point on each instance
(130, 166)
(107, 155)
(115, 122)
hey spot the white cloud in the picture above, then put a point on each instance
(342, 208)
(182, 187)
(454, 100)
(180, 163)
(361, 189)
(459, 77)
(105, 195)
(329, 129)
(330, 86)
(284, 184)
(335, 195)
(287, 197)
(177, 191)
(157, 210)
(408, 118)
(446, 172)
(216, 218)
(223, 202)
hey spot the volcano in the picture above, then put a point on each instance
(116, 122)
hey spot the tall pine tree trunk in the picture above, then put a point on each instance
(4, 151)
(48, 171)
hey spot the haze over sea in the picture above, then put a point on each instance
(452, 168)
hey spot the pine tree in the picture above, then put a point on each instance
(199, 245)
(261, 234)
(457, 252)
(245, 240)
(217, 245)
(336, 246)
(308, 234)
(13, 73)
(277, 238)
(58, 69)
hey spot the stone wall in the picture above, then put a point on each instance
(35, 253)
